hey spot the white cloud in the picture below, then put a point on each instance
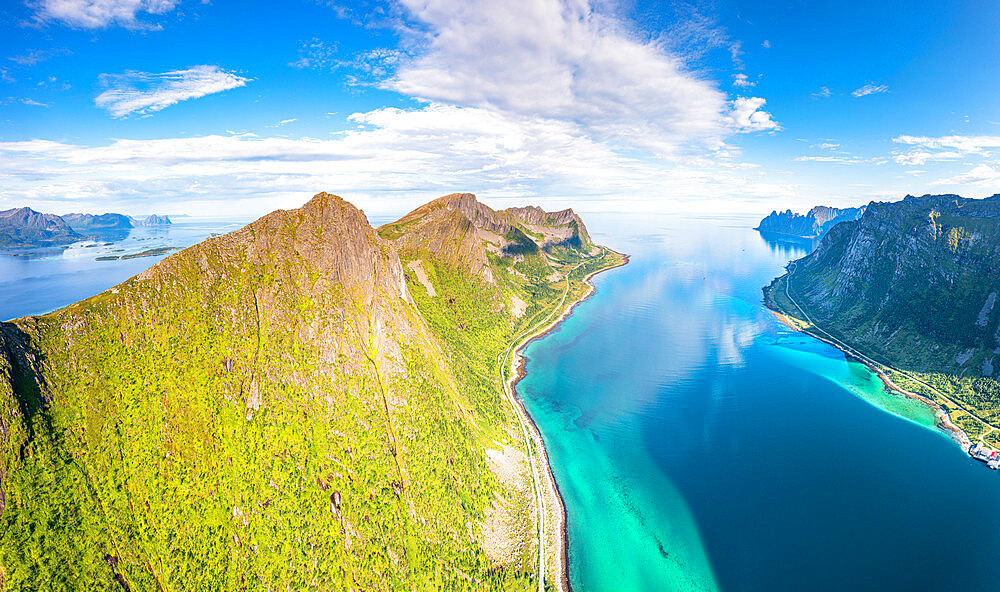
(827, 146)
(740, 80)
(748, 116)
(927, 148)
(99, 14)
(143, 92)
(980, 175)
(870, 89)
(285, 121)
(316, 54)
(393, 160)
(766, 44)
(515, 100)
(835, 159)
(822, 93)
(566, 61)
(35, 56)
(968, 144)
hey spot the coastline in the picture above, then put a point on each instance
(555, 505)
(942, 420)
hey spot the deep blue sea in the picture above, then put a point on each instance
(700, 444)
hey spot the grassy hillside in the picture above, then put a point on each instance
(283, 407)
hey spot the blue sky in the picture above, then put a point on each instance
(222, 107)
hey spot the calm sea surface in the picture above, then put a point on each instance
(37, 281)
(702, 445)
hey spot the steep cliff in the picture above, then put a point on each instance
(814, 224)
(913, 283)
(269, 409)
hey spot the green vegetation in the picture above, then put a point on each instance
(266, 410)
(913, 285)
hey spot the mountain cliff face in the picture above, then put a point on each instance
(24, 227)
(814, 224)
(281, 407)
(462, 231)
(914, 283)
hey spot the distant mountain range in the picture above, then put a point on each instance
(25, 228)
(814, 224)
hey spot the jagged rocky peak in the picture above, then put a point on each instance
(461, 230)
(327, 236)
(813, 224)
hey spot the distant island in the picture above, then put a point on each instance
(814, 224)
(306, 399)
(911, 288)
(26, 228)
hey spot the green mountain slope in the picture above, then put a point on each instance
(282, 407)
(913, 284)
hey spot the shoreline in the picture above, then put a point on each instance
(942, 420)
(561, 535)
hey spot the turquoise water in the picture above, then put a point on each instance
(700, 444)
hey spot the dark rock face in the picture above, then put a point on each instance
(916, 280)
(24, 227)
(814, 224)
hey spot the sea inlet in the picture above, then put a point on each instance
(700, 444)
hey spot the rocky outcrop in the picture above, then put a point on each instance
(814, 224)
(464, 231)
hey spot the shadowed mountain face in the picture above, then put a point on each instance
(282, 406)
(916, 278)
(24, 227)
(914, 284)
(814, 224)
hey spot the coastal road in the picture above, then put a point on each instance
(863, 357)
(523, 420)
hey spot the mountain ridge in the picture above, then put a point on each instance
(286, 404)
(813, 224)
(914, 283)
